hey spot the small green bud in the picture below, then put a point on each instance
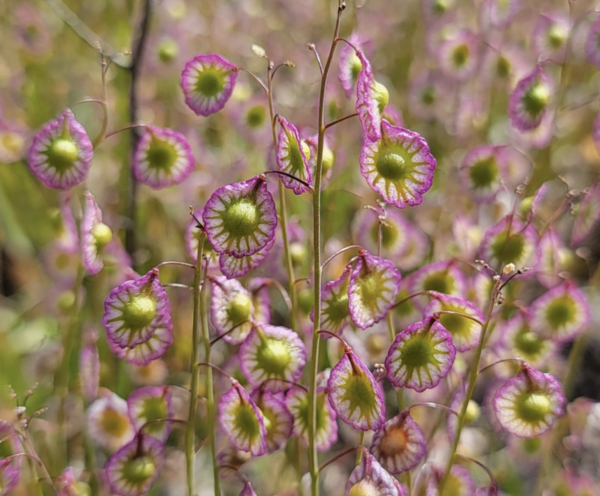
(306, 300)
(66, 300)
(473, 412)
(102, 235)
(306, 150)
(298, 253)
(382, 96)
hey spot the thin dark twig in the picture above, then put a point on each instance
(331, 124)
(135, 69)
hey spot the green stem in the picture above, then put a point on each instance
(191, 423)
(314, 366)
(61, 380)
(473, 373)
(359, 451)
(283, 212)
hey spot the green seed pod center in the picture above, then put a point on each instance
(560, 312)
(114, 423)
(417, 352)
(256, 116)
(338, 308)
(438, 281)
(241, 218)
(328, 159)
(359, 393)
(460, 55)
(440, 6)
(102, 235)
(455, 324)
(355, 66)
(382, 96)
(392, 163)
(528, 343)
(239, 308)
(364, 488)
(483, 173)
(536, 99)
(167, 50)
(508, 250)
(210, 82)
(161, 155)
(295, 157)
(369, 289)
(533, 407)
(246, 421)
(154, 409)
(139, 312)
(503, 67)
(274, 357)
(139, 470)
(428, 95)
(62, 154)
(531, 445)
(556, 36)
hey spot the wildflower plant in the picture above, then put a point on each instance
(335, 239)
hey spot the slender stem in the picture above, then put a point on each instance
(359, 450)
(291, 176)
(313, 48)
(181, 264)
(337, 457)
(511, 359)
(314, 366)
(61, 380)
(33, 454)
(283, 211)
(282, 291)
(136, 64)
(333, 123)
(191, 422)
(430, 404)
(177, 285)
(256, 78)
(437, 315)
(120, 130)
(338, 253)
(471, 386)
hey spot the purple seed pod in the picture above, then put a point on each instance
(420, 356)
(61, 153)
(509, 241)
(370, 478)
(528, 404)
(259, 291)
(326, 431)
(483, 168)
(549, 257)
(459, 482)
(498, 13)
(399, 166)
(238, 267)
(248, 490)
(400, 444)
(443, 277)
(374, 284)
(335, 310)
(95, 236)
(144, 353)
(163, 158)
(292, 158)
(240, 218)
(349, 64)
(272, 356)
(464, 331)
(395, 231)
(135, 310)
(355, 395)
(458, 57)
(550, 37)
(561, 313)
(9, 477)
(108, 422)
(207, 82)
(279, 422)
(133, 469)
(242, 421)
(148, 408)
(371, 100)
(68, 239)
(530, 100)
(231, 306)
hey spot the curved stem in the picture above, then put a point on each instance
(313, 48)
(430, 404)
(420, 293)
(338, 253)
(471, 385)
(337, 457)
(314, 365)
(511, 359)
(291, 176)
(284, 294)
(226, 333)
(120, 130)
(256, 78)
(392, 332)
(351, 45)
(177, 285)
(436, 315)
(181, 264)
(487, 470)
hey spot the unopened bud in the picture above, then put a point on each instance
(259, 51)
(508, 269)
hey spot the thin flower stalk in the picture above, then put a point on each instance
(317, 270)
(473, 374)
